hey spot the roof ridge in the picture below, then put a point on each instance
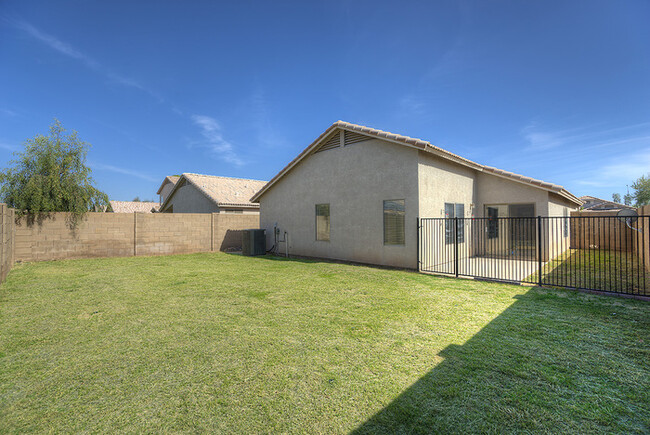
(136, 202)
(222, 176)
(422, 145)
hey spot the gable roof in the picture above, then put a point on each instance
(420, 145)
(223, 191)
(134, 206)
(168, 179)
(593, 203)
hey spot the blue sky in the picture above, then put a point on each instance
(556, 90)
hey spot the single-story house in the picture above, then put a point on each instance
(133, 207)
(198, 193)
(593, 203)
(355, 194)
(166, 187)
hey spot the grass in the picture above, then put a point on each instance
(224, 343)
(612, 271)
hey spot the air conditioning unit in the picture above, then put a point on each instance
(253, 242)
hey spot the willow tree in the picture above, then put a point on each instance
(50, 174)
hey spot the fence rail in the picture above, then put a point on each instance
(603, 253)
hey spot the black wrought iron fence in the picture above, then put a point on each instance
(604, 253)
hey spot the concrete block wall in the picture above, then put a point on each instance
(96, 235)
(227, 229)
(169, 233)
(119, 235)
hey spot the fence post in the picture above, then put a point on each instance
(417, 245)
(456, 246)
(539, 251)
(211, 232)
(135, 234)
(3, 208)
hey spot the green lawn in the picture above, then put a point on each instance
(612, 271)
(218, 342)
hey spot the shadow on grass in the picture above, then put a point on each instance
(272, 257)
(316, 260)
(538, 366)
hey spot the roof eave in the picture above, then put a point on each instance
(422, 146)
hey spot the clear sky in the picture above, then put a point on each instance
(556, 90)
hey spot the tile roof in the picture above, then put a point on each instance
(168, 179)
(133, 206)
(421, 145)
(594, 203)
(223, 191)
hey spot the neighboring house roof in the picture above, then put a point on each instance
(423, 146)
(223, 191)
(168, 179)
(134, 206)
(593, 203)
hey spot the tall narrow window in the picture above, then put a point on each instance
(566, 222)
(452, 211)
(492, 223)
(394, 211)
(323, 222)
(449, 223)
(460, 214)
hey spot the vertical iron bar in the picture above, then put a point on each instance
(417, 248)
(600, 247)
(539, 251)
(456, 246)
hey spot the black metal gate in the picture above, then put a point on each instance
(604, 253)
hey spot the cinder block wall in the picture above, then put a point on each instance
(96, 235)
(227, 229)
(127, 234)
(169, 233)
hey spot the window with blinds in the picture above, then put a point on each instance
(394, 210)
(323, 222)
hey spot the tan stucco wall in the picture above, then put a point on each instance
(441, 181)
(354, 180)
(165, 191)
(187, 199)
(557, 243)
(492, 189)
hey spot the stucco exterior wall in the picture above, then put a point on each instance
(165, 191)
(354, 180)
(492, 189)
(440, 182)
(187, 199)
(558, 240)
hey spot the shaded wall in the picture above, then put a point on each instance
(126, 234)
